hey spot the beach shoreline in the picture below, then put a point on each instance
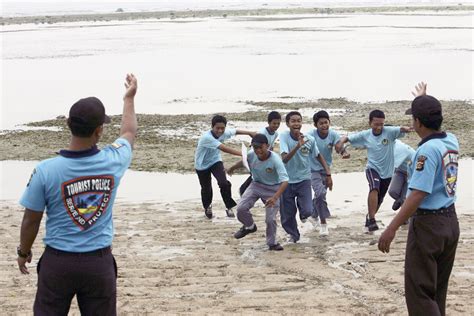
(185, 14)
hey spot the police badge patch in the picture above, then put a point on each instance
(420, 163)
(86, 199)
(450, 167)
(269, 170)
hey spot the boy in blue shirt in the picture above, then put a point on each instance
(269, 180)
(296, 150)
(433, 233)
(379, 140)
(399, 184)
(207, 161)
(274, 121)
(326, 138)
(78, 189)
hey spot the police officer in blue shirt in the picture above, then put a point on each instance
(430, 204)
(78, 188)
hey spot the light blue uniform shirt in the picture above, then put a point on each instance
(207, 151)
(403, 155)
(270, 171)
(435, 169)
(271, 138)
(298, 167)
(325, 147)
(380, 148)
(78, 194)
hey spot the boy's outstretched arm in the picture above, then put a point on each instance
(272, 201)
(340, 144)
(230, 150)
(245, 132)
(234, 167)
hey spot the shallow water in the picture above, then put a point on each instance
(140, 186)
(216, 64)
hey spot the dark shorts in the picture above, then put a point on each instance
(91, 276)
(377, 183)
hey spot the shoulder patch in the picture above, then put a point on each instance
(116, 145)
(420, 162)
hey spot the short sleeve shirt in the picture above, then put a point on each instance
(271, 137)
(78, 192)
(435, 169)
(270, 171)
(207, 151)
(403, 155)
(380, 148)
(298, 167)
(325, 147)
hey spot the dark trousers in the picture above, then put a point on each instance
(92, 277)
(431, 248)
(217, 170)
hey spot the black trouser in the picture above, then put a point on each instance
(92, 276)
(431, 248)
(245, 185)
(218, 172)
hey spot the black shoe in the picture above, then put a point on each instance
(208, 212)
(372, 225)
(396, 205)
(276, 247)
(242, 232)
(229, 212)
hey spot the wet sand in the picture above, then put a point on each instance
(172, 260)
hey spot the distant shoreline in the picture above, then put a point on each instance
(128, 16)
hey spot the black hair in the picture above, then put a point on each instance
(79, 129)
(218, 119)
(431, 123)
(319, 115)
(376, 113)
(287, 118)
(273, 115)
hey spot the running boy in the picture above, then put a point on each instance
(269, 180)
(274, 120)
(326, 138)
(379, 142)
(398, 186)
(208, 160)
(296, 150)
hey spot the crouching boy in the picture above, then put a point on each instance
(269, 180)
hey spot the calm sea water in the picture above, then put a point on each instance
(216, 64)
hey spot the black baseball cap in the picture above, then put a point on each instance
(425, 106)
(88, 112)
(259, 139)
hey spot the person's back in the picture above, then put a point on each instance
(78, 189)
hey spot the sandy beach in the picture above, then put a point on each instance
(241, 63)
(172, 260)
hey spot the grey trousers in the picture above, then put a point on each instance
(254, 192)
(398, 185)
(320, 205)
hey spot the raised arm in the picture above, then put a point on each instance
(29, 230)
(128, 128)
(420, 89)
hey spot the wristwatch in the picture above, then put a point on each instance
(21, 254)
